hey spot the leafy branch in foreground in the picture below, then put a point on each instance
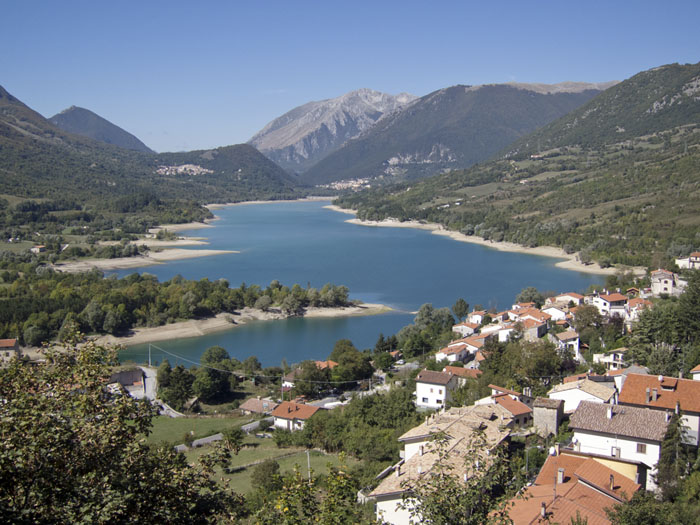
(73, 451)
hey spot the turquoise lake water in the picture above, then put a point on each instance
(302, 242)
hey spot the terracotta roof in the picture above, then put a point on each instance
(572, 294)
(470, 373)
(435, 378)
(695, 370)
(638, 302)
(473, 326)
(504, 390)
(473, 340)
(289, 410)
(530, 323)
(669, 392)
(661, 270)
(640, 423)
(326, 364)
(585, 490)
(259, 406)
(479, 356)
(454, 349)
(511, 405)
(614, 297)
(8, 343)
(545, 402)
(695, 254)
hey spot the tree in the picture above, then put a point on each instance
(263, 303)
(383, 360)
(460, 309)
(443, 497)
(73, 453)
(266, 476)
(530, 295)
(674, 459)
(232, 439)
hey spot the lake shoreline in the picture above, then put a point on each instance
(228, 321)
(570, 261)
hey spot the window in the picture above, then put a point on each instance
(440, 391)
(431, 390)
(425, 400)
(641, 448)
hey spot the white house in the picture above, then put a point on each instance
(566, 299)
(664, 282)
(434, 389)
(419, 455)
(555, 313)
(692, 262)
(569, 340)
(611, 304)
(466, 328)
(695, 373)
(9, 348)
(453, 353)
(666, 394)
(612, 360)
(292, 416)
(575, 392)
(618, 431)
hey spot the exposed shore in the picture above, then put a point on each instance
(122, 263)
(225, 321)
(570, 261)
(211, 207)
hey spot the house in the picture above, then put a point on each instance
(565, 299)
(473, 343)
(612, 360)
(321, 365)
(519, 412)
(635, 307)
(466, 328)
(664, 282)
(570, 485)
(666, 394)
(39, 248)
(292, 416)
(547, 414)
(289, 379)
(692, 262)
(569, 340)
(476, 317)
(611, 305)
(532, 329)
(257, 406)
(457, 352)
(420, 455)
(525, 397)
(619, 431)
(621, 374)
(463, 374)
(695, 373)
(575, 392)
(555, 313)
(9, 348)
(434, 389)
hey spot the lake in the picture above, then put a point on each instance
(305, 243)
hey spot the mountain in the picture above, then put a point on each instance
(88, 124)
(450, 128)
(40, 160)
(617, 180)
(303, 136)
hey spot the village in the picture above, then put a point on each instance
(615, 415)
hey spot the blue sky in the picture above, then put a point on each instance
(191, 75)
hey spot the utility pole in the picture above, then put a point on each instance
(149, 354)
(308, 463)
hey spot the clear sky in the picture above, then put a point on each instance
(184, 75)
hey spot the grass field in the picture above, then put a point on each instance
(172, 430)
(260, 449)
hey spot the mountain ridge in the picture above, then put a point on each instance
(87, 123)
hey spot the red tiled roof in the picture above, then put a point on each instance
(259, 406)
(453, 349)
(511, 405)
(8, 343)
(289, 410)
(504, 390)
(568, 335)
(479, 356)
(696, 369)
(683, 391)
(326, 364)
(436, 378)
(470, 373)
(596, 474)
(614, 297)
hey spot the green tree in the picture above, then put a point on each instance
(74, 454)
(232, 439)
(460, 309)
(530, 295)
(266, 476)
(383, 360)
(674, 459)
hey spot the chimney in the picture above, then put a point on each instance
(543, 510)
(654, 394)
(420, 470)
(668, 417)
(465, 477)
(612, 482)
(421, 450)
(678, 407)
(646, 397)
(556, 448)
(661, 378)
(560, 476)
(398, 471)
(680, 374)
(610, 412)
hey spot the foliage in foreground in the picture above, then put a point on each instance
(74, 453)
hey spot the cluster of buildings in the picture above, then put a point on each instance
(183, 169)
(619, 421)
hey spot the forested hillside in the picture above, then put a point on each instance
(617, 180)
(53, 179)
